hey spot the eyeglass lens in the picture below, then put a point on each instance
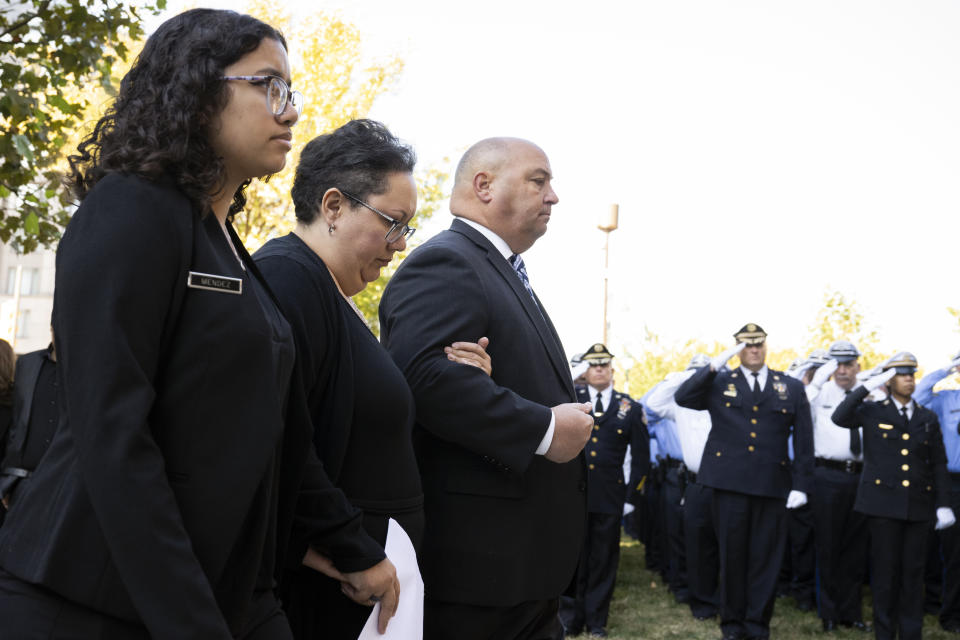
(278, 93)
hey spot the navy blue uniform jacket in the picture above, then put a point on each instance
(904, 464)
(746, 450)
(622, 424)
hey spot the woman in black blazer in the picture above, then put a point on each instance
(903, 489)
(171, 484)
(355, 197)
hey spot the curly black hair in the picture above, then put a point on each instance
(356, 158)
(160, 122)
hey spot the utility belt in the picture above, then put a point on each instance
(690, 476)
(847, 466)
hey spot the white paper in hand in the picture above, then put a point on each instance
(407, 624)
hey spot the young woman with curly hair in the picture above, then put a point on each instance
(181, 468)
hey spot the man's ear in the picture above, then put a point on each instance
(482, 186)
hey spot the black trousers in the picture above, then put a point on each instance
(803, 563)
(596, 575)
(536, 620)
(950, 545)
(752, 535)
(673, 540)
(841, 542)
(898, 550)
(29, 612)
(652, 525)
(703, 559)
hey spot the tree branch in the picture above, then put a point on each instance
(30, 16)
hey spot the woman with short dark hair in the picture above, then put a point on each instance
(169, 487)
(355, 197)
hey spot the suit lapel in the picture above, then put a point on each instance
(546, 331)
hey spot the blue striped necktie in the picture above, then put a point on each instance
(517, 263)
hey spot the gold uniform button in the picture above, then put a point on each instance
(756, 408)
(591, 468)
(877, 481)
(595, 439)
(596, 427)
(750, 448)
(718, 454)
(906, 483)
(619, 431)
(753, 421)
(728, 404)
(906, 436)
(904, 452)
(783, 410)
(753, 434)
(884, 435)
(905, 467)
(593, 454)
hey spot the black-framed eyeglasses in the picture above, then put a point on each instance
(397, 229)
(278, 93)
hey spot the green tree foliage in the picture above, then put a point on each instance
(842, 319)
(49, 52)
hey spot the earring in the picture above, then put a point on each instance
(331, 228)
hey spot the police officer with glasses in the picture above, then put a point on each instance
(840, 532)
(903, 488)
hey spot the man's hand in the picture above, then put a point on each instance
(471, 353)
(379, 583)
(717, 363)
(823, 373)
(571, 430)
(796, 499)
(879, 380)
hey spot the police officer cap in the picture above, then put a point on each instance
(795, 365)
(817, 357)
(699, 360)
(903, 362)
(597, 354)
(751, 334)
(843, 351)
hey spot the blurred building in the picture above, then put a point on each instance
(26, 298)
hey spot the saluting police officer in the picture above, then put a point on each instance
(946, 404)
(840, 531)
(753, 411)
(903, 488)
(619, 421)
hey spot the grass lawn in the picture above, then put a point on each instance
(644, 609)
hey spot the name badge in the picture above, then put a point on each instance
(210, 282)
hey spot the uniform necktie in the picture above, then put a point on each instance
(756, 383)
(856, 446)
(517, 263)
(903, 412)
(598, 408)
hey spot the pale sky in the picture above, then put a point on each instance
(760, 152)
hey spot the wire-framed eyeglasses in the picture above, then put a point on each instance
(278, 93)
(397, 229)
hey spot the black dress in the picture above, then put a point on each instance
(363, 414)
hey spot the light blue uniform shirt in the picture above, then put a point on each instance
(946, 404)
(665, 433)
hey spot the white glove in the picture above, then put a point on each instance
(823, 373)
(879, 380)
(577, 370)
(717, 362)
(945, 518)
(863, 376)
(797, 374)
(955, 363)
(796, 499)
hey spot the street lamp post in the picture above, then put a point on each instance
(607, 225)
